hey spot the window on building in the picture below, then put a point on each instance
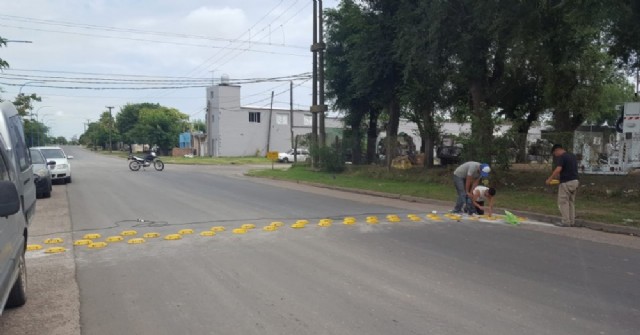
(282, 119)
(308, 120)
(254, 117)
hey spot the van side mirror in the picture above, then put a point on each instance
(9, 198)
(51, 163)
(69, 157)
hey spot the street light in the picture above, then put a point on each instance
(26, 83)
(37, 123)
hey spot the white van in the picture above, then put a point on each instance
(12, 132)
(13, 237)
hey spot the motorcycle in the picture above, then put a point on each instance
(139, 162)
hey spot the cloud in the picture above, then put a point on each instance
(220, 22)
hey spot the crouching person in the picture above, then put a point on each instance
(483, 200)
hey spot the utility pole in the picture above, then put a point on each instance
(291, 112)
(321, 114)
(110, 127)
(318, 110)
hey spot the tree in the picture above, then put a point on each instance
(3, 63)
(199, 125)
(159, 126)
(24, 103)
(345, 34)
(127, 119)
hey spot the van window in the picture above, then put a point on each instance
(4, 173)
(19, 147)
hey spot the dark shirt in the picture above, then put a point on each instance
(569, 165)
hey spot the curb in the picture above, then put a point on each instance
(550, 219)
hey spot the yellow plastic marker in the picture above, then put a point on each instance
(554, 182)
(218, 229)
(55, 250)
(324, 223)
(302, 221)
(116, 238)
(151, 235)
(248, 226)
(239, 231)
(54, 240)
(270, 228)
(92, 236)
(277, 224)
(372, 221)
(187, 231)
(298, 225)
(82, 242)
(34, 247)
(208, 233)
(97, 245)
(136, 241)
(173, 237)
(129, 233)
(349, 222)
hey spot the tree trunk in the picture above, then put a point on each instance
(481, 125)
(372, 136)
(429, 136)
(392, 130)
(356, 144)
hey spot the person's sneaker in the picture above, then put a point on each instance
(560, 224)
(455, 212)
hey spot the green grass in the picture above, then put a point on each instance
(518, 190)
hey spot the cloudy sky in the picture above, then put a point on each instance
(119, 48)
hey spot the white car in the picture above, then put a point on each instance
(286, 157)
(62, 169)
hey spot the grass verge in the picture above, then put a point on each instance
(606, 199)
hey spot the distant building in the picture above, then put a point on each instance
(234, 130)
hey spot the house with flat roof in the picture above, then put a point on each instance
(234, 130)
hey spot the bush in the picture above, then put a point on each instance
(331, 159)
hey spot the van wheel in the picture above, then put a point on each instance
(68, 180)
(46, 194)
(18, 295)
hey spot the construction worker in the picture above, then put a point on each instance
(481, 195)
(465, 178)
(567, 171)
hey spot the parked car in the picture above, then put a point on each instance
(13, 236)
(41, 173)
(62, 169)
(286, 157)
(12, 133)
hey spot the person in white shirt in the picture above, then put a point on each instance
(481, 195)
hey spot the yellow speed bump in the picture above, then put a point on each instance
(92, 236)
(303, 221)
(129, 233)
(298, 225)
(349, 222)
(82, 242)
(323, 223)
(372, 220)
(187, 231)
(248, 226)
(173, 237)
(116, 238)
(97, 245)
(277, 224)
(55, 240)
(208, 233)
(151, 235)
(34, 247)
(136, 241)
(270, 228)
(239, 231)
(55, 250)
(218, 229)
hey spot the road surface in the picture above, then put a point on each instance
(427, 277)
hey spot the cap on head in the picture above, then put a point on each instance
(491, 191)
(484, 170)
(556, 146)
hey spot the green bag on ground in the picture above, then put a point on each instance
(511, 218)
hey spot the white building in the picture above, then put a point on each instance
(252, 131)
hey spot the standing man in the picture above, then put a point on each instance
(465, 178)
(567, 171)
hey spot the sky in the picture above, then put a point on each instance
(85, 55)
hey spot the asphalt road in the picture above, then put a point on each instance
(391, 278)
